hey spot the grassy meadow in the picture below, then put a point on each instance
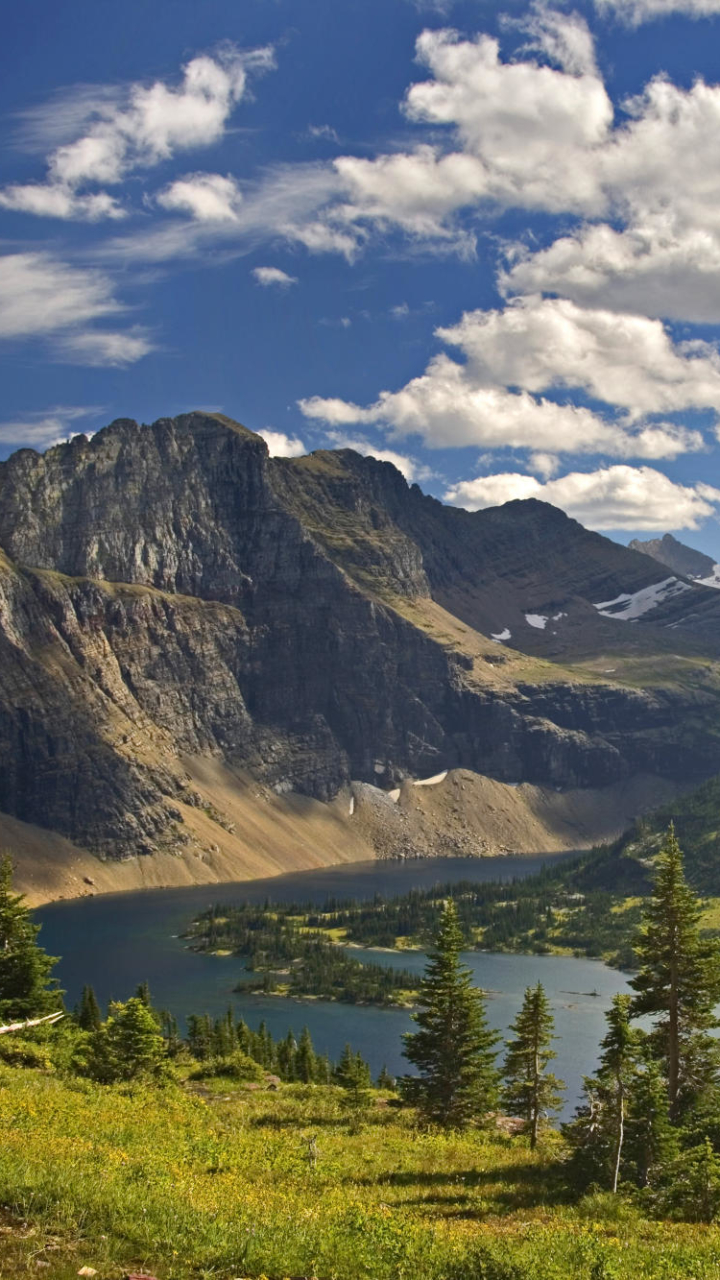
(184, 1180)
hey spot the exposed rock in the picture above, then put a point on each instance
(170, 589)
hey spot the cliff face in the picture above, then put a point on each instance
(170, 590)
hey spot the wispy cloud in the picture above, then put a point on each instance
(41, 296)
(137, 128)
(39, 430)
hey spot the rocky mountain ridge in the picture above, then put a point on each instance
(170, 591)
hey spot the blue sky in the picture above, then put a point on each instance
(480, 239)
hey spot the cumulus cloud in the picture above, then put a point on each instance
(138, 128)
(495, 399)
(282, 446)
(269, 276)
(40, 430)
(41, 296)
(209, 197)
(647, 268)
(633, 12)
(624, 360)
(618, 497)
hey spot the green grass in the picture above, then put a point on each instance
(221, 1185)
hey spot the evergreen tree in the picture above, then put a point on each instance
(385, 1080)
(88, 1015)
(530, 1090)
(27, 989)
(678, 982)
(651, 1142)
(305, 1063)
(286, 1051)
(453, 1049)
(691, 1187)
(200, 1036)
(127, 1045)
(597, 1133)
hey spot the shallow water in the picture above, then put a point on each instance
(116, 941)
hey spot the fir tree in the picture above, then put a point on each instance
(530, 1090)
(88, 1015)
(127, 1045)
(651, 1142)
(27, 989)
(385, 1080)
(285, 1054)
(597, 1134)
(305, 1064)
(453, 1049)
(678, 982)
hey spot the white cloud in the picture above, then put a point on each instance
(282, 446)
(537, 346)
(207, 196)
(323, 133)
(269, 276)
(40, 430)
(41, 294)
(138, 128)
(54, 201)
(618, 497)
(633, 12)
(104, 347)
(646, 268)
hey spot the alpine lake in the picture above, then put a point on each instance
(117, 941)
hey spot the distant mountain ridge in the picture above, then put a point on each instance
(679, 557)
(170, 593)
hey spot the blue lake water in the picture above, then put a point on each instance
(116, 941)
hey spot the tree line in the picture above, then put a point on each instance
(649, 1117)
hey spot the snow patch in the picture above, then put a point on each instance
(431, 782)
(712, 581)
(537, 620)
(351, 807)
(394, 794)
(627, 607)
(557, 616)
(501, 635)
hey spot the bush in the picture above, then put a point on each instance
(233, 1066)
(23, 1053)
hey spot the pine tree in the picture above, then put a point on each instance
(127, 1045)
(27, 989)
(678, 982)
(88, 1015)
(385, 1080)
(530, 1090)
(651, 1142)
(305, 1064)
(597, 1133)
(453, 1049)
(286, 1051)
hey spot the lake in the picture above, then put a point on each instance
(116, 941)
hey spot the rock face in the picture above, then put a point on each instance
(171, 590)
(678, 557)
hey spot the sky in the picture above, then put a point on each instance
(478, 239)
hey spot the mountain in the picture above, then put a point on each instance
(681, 559)
(202, 648)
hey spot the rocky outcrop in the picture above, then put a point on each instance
(170, 589)
(676, 556)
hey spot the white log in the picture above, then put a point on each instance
(30, 1022)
